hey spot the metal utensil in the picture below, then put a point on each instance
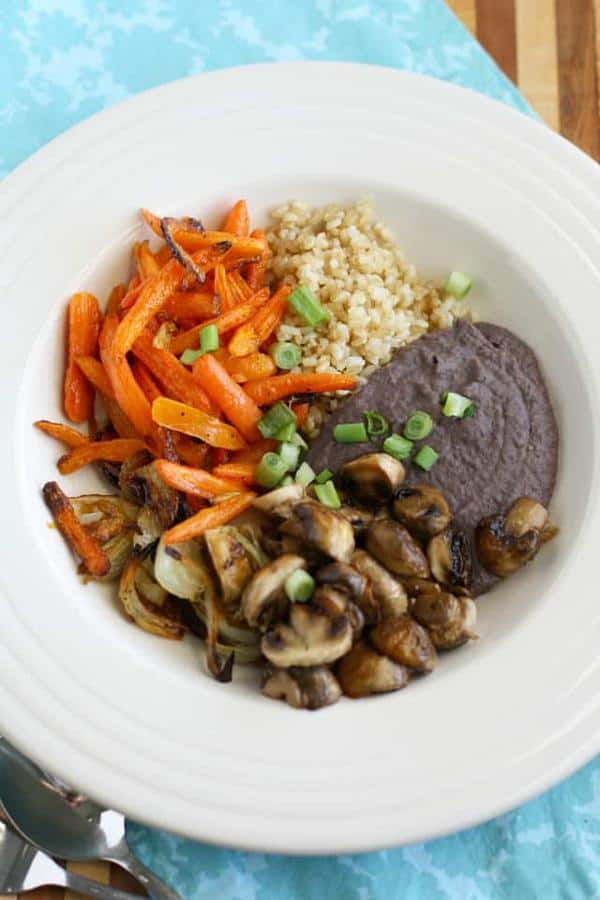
(23, 868)
(65, 824)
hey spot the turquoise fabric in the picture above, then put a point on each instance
(60, 61)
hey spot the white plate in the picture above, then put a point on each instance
(465, 183)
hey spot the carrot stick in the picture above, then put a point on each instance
(225, 322)
(94, 371)
(193, 240)
(118, 419)
(255, 271)
(249, 336)
(255, 452)
(251, 367)
(195, 422)
(240, 288)
(152, 298)
(245, 472)
(191, 452)
(270, 390)
(117, 450)
(147, 265)
(300, 410)
(191, 306)
(228, 396)
(91, 554)
(69, 436)
(223, 289)
(237, 220)
(177, 381)
(82, 340)
(115, 298)
(211, 517)
(145, 380)
(194, 481)
(127, 391)
(131, 296)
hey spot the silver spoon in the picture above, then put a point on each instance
(67, 825)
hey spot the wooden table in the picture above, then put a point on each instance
(551, 50)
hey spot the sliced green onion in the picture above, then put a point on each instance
(426, 457)
(285, 355)
(458, 284)
(350, 433)
(290, 454)
(285, 482)
(299, 586)
(189, 357)
(287, 433)
(305, 474)
(306, 305)
(418, 425)
(276, 418)
(299, 440)
(325, 475)
(270, 470)
(456, 405)
(397, 446)
(327, 495)
(209, 338)
(377, 425)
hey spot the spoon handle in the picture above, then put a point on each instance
(155, 887)
(94, 889)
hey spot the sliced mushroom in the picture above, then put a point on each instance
(344, 577)
(335, 602)
(363, 671)
(422, 509)
(449, 556)
(417, 586)
(395, 548)
(263, 599)
(388, 594)
(373, 478)
(276, 543)
(280, 501)
(507, 542)
(232, 562)
(311, 639)
(450, 620)
(406, 642)
(360, 519)
(323, 528)
(303, 688)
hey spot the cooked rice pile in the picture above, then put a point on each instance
(377, 301)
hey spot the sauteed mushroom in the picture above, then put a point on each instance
(263, 598)
(323, 528)
(416, 586)
(374, 477)
(406, 642)
(280, 501)
(335, 602)
(450, 620)
(343, 577)
(310, 639)
(449, 557)
(311, 687)
(363, 671)
(390, 543)
(389, 595)
(422, 509)
(507, 542)
(360, 519)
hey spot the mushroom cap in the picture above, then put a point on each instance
(395, 548)
(344, 577)
(450, 620)
(360, 519)
(311, 639)
(500, 553)
(525, 515)
(422, 509)
(303, 688)
(363, 671)
(279, 501)
(449, 556)
(323, 528)
(406, 642)
(373, 477)
(265, 588)
(388, 593)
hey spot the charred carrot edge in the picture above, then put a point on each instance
(117, 450)
(69, 436)
(249, 368)
(228, 396)
(211, 517)
(237, 220)
(270, 390)
(255, 452)
(191, 305)
(94, 371)
(177, 381)
(256, 271)
(126, 390)
(147, 265)
(240, 471)
(300, 410)
(115, 298)
(82, 340)
(194, 481)
(193, 240)
(226, 322)
(223, 288)
(191, 452)
(91, 554)
(189, 420)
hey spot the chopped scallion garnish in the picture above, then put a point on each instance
(325, 475)
(299, 586)
(209, 338)
(308, 307)
(286, 481)
(270, 470)
(287, 433)
(418, 425)
(285, 355)
(290, 454)
(350, 433)
(327, 495)
(456, 405)
(426, 457)
(189, 357)
(299, 440)
(377, 425)
(458, 285)
(305, 474)
(397, 446)
(275, 419)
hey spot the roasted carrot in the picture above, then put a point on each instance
(177, 381)
(94, 371)
(228, 396)
(223, 288)
(69, 436)
(191, 452)
(270, 390)
(118, 419)
(82, 340)
(195, 422)
(211, 517)
(192, 240)
(244, 472)
(95, 560)
(130, 296)
(251, 367)
(115, 298)
(195, 503)
(255, 452)
(225, 322)
(190, 306)
(147, 265)
(194, 481)
(249, 336)
(145, 380)
(152, 298)
(237, 220)
(117, 450)
(300, 410)
(127, 391)
(255, 271)
(240, 288)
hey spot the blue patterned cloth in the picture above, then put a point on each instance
(60, 61)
